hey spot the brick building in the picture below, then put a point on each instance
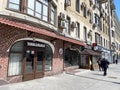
(46, 37)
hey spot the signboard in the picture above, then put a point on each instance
(36, 44)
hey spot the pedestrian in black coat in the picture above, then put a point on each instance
(99, 63)
(104, 65)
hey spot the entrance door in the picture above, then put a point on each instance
(33, 64)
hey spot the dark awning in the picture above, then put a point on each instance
(89, 52)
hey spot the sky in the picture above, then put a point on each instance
(117, 6)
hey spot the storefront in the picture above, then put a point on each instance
(89, 59)
(30, 52)
(30, 58)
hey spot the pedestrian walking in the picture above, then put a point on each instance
(116, 61)
(104, 65)
(99, 63)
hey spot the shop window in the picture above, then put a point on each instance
(15, 59)
(84, 60)
(16, 55)
(71, 58)
(48, 58)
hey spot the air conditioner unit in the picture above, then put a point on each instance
(62, 16)
(83, 5)
(62, 24)
(67, 2)
(91, 2)
(94, 25)
(74, 25)
(94, 6)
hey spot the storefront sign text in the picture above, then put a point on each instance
(35, 44)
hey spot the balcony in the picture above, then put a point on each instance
(112, 6)
(103, 1)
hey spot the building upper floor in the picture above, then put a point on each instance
(78, 19)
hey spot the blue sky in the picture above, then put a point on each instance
(117, 5)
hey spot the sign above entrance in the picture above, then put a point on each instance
(35, 44)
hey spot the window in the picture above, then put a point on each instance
(15, 59)
(53, 12)
(104, 42)
(113, 33)
(40, 9)
(97, 19)
(78, 30)
(48, 58)
(77, 6)
(97, 3)
(71, 58)
(17, 55)
(14, 4)
(90, 36)
(68, 25)
(103, 27)
(101, 41)
(84, 11)
(97, 38)
(85, 33)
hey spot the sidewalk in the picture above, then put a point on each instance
(79, 80)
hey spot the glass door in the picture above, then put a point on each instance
(39, 71)
(33, 64)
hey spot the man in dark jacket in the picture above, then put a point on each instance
(104, 65)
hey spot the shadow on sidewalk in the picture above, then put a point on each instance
(94, 78)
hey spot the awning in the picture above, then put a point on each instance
(89, 52)
(40, 31)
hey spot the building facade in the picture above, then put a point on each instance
(116, 35)
(46, 37)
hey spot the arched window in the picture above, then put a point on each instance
(15, 59)
(48, 58)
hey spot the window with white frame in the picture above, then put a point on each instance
(14, 4)
(96, 19)
(68, 25)
(40, 9)
(53, 14)
(15, 59)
